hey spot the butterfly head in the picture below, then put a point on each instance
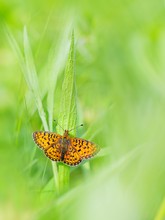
(66, 133)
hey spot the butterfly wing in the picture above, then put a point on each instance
(77, 149)
(84, 148)
(54, 152)
(49, 143)
(71, 157)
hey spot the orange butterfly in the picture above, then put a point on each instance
(63, 148)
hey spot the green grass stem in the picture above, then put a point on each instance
(68, 111)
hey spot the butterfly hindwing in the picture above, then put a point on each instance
(54, 152)
(71, 157)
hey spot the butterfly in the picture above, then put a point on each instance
(63, 148)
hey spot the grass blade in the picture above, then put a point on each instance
(68, 111)
(33, 80)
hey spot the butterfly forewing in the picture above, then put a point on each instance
(45, 139)
(84, 148)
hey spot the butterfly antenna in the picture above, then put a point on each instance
(75, 127)
(58, 124)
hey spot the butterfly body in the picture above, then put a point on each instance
(63, 148)
(64, 143)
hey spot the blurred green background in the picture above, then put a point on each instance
(120, 80)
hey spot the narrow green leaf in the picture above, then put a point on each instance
(26, 63)
(33, 80)
(68, 111)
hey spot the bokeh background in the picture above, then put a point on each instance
(120, 81)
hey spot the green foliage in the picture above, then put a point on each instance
(109, 76)
(68, 111)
